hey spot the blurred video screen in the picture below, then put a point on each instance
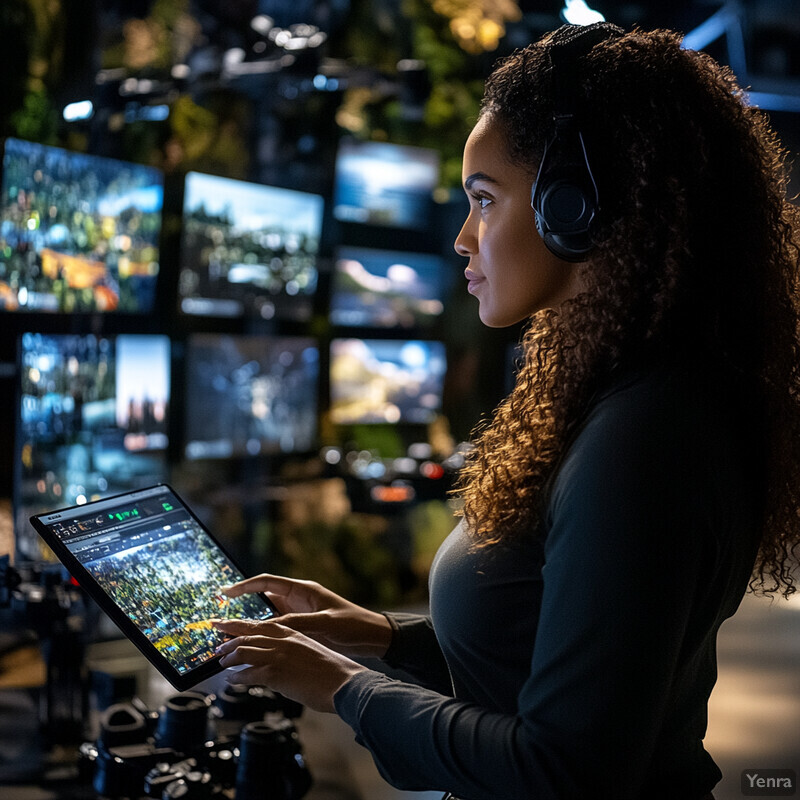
(248, 249)
(250, 395)
(377, 183)
(93, 421)
(78, 233)
(386, 380)
(387, 289)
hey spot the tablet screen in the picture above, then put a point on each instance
(158, 565)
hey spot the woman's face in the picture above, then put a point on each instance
(510, 270)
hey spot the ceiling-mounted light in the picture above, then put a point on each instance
(83, 109)
(576, 12)
(262, 24)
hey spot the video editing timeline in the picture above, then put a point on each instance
(163, 571)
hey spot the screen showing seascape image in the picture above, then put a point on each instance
(378, 183)
(93, 421)
(248, 395)
(387, 289)
(78, 233)
(164, 573)
(248, 249)
(386, 380)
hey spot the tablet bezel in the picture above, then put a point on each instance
(87, 582)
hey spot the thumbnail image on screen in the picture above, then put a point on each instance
(248, 249)
(387, 289)
(248, 395)
(377, 183)
(92, 421)
(380, 380)
(78, 233)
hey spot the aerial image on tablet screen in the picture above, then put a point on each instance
(161, 568)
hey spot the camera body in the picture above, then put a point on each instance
(241, 743)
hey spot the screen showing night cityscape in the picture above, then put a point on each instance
(78, 233)
(248, 395)
(248, 249)
(386, 380)
(377, 183)
(93, 420)
(387, 289)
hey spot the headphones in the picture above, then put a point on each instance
(564, 195)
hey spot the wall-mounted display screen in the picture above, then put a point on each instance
(387, 289)
(386, 380)
(78, 233)
(248, 395)
(93, 421)
(248, 249)
(377, 183)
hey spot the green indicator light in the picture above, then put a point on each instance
(166, 506)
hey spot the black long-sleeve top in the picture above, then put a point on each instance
(581, 667)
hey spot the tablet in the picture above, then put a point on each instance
(156, 570)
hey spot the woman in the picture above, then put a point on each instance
(644, 470)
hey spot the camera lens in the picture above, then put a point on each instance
(192, 786)
(183, 723)
(122, 724)
(270, 763)
(238, 703)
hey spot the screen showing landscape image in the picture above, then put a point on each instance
(377, 183)
(387, 289)
(173, 576)
(93, 421)
(248, 395)
(78, 233)
(386, 380)
(248, 249)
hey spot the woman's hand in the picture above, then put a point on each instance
(322, 615)
(285, 660)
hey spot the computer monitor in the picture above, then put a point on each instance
(388, 289)
(250, 395)
(78, 233)
(377, 183)
(93, 421)
(248, 249)
(386, 381)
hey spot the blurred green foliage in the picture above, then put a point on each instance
(378, 35)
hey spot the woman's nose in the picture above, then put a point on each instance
(465, 243)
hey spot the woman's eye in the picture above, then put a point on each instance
(482, 201)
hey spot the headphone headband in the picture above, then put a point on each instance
(564, 195)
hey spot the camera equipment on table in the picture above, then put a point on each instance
(241, 743)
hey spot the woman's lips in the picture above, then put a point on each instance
(473, 280)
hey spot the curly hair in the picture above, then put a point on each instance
(695, 252)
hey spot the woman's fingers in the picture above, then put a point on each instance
(288, 594)
(289, 663)
(246, 652)
(274, 584)
(251, 627)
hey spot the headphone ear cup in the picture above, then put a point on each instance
(562, 215)
(565, 207)
(569, 248)
(564, 197)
